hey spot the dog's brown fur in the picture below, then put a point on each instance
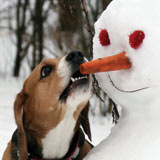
(38, 110)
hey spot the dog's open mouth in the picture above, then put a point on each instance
(77, 80)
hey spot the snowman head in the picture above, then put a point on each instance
(130, 26)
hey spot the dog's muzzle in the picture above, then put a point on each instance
(74, 59)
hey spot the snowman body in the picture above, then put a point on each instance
(137, 90)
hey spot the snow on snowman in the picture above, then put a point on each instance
(131, 28)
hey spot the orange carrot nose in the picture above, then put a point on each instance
(111, 63)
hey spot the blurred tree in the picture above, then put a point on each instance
(37, 34)
(29, 32)
(105, 3)
(81, 16)
(74, 29)
(26, 38)
(71, 29)
(21, 9)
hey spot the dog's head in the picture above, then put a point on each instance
(54, 86)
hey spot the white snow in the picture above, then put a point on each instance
(121, 19)
(137, 135)
(10, 87)
(8, 90)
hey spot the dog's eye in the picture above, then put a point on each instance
(46, 70)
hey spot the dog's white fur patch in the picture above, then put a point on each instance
(64, 71)
(78, 96)
(57, 141)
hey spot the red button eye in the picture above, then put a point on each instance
(104, 38)
(136, 39)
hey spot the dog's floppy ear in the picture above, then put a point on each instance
(85, 121)
(18, 113)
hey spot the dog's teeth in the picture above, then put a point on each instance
(77, 78)
(72, 79)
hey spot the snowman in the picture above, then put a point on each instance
(131, 27)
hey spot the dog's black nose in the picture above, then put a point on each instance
(75, 57)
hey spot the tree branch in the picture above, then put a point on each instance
(89, 28)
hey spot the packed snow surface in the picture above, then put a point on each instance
(120, 19)
(100, 126)
(137, 135)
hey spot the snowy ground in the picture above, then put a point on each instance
(8, 90)
(9, 87)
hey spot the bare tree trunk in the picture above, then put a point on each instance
(105, 3)
(37, 35)
(39, 14)
(18, 57)
(17, 65)
(34, 46)
(20, 31)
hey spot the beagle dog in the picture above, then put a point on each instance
(49, 111)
